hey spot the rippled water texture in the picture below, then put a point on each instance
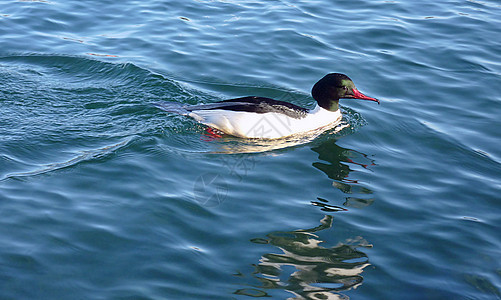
(104, 196)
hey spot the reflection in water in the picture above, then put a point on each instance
(338, 169)
(306, 269)
(336, 162)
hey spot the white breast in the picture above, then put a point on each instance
(267, 125)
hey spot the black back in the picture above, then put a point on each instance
(258, 105)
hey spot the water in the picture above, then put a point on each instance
(103, 196)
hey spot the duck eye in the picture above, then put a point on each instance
(345, 88)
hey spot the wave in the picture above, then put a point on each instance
(83, 157)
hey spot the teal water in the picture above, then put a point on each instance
(103, 196)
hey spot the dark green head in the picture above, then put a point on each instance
(334, 86)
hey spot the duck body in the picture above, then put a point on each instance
(260, 117)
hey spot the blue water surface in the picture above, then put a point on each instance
(104, 196)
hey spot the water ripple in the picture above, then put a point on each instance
(83, 157)
(104, 196)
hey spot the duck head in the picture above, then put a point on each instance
(334, 86)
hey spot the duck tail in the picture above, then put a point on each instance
(173, 107)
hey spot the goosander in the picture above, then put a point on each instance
(260, 117)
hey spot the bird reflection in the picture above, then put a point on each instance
(305, 268)
(337, 163)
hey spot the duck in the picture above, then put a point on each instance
(265, 118)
